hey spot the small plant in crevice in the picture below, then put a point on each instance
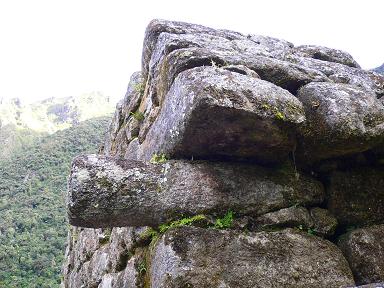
(139, 88)
(309, 230)
(142, 268)
(158, 158)
(104, 239)
(224, 222)
(139, 116)
(123, 260)
(150, 235)
(182, 222)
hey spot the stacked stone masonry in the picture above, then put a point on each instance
(283, 144)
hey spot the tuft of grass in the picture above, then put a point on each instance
(182, 222)
(158, 158)
(224, 222)
(309, 230)
(150, 235)
(139, 116)
(139, 88)
(142, 268)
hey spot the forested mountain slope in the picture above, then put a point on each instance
(37, 143)
(33, 227)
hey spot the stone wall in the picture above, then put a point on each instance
(234, 161)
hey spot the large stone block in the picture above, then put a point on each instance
(356, 197)
(326, 54)
(341, 119)
(215, 113)
(340, 73)
(107, 192)
(208, 258)
(364, 250)
(317, 221)
(157, 27)
(177, 53)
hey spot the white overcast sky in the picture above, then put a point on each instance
(56, 48)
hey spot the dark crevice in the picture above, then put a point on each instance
(280, 79)
(123, 260)
(191, 63)
(320, 56)
(179, 45)
(236, 70)
(198, 62)
(95, 284)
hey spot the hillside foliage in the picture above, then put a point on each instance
(33, 225)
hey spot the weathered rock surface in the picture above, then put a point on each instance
(287, 217)
(214, 112)
(341, 119)
(172, 53)
(104, 258)
(324, 223)
(317, 221)
(218, 95)
(364, 250)
(106, 192)
(175, 53)
(326, 54)
(339, 73)
(196, 257)
(157, 26)
(357, 197)
(120, 132)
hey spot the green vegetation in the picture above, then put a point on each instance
(225, 222)
(278, 114)
(309, 230)
(142, 267)
(139, 116)
(150, 234)
(33, 225)
(139, 88)
(158, 159)
(182, 222)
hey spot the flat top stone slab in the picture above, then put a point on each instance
(108, 192)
